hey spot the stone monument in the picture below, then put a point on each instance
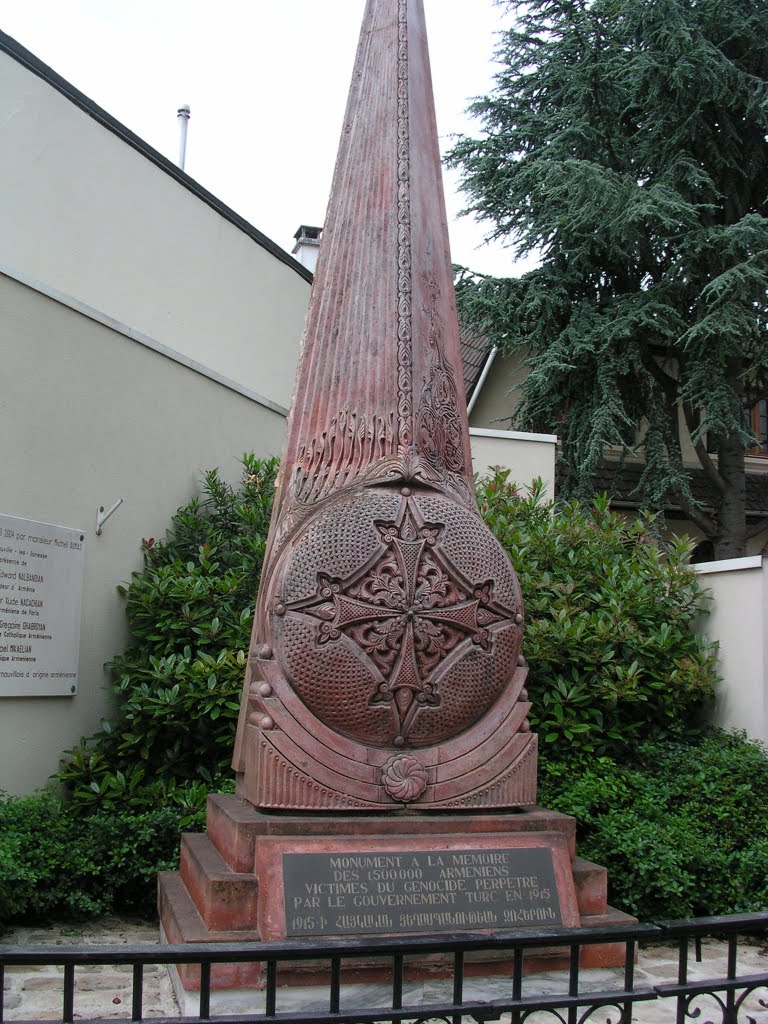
(386, 768)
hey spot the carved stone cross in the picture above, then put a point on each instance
(407, 612)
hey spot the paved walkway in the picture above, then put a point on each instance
(36, 992)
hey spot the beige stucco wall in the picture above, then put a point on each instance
(684, 527)
(498, 398)
(91, 217)
(89, 416)
(527, 456)
(739, 622)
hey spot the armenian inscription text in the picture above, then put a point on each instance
(417, 891)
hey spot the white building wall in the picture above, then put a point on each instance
(527, 456)
(739, 622)
(88, 416)
(146, 334)
(90, 216)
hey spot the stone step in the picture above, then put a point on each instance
(591, 881)
(234, 826)
(606, 954)
(225, 899)
(180, 922)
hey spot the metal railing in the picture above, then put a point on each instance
(729, 996)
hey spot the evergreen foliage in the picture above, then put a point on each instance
(626, 142)
(54, 862)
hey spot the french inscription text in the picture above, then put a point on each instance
(415, 891)
(41, 581)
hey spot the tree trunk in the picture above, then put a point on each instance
(730, 539)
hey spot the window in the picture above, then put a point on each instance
(759, 423)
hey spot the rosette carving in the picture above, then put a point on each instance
(404, 778)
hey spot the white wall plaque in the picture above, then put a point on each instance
(41, 594)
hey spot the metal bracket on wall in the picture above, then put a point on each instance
(102, 516)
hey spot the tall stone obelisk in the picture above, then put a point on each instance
(384, 698)
(384, 661)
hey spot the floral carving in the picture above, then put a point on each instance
(440, 422)
(340, 454)
(404, 328)
(404, 778)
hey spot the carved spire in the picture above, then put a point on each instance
(380, 372)
(383, 665)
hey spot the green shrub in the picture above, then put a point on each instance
(178, 685)
(682, 826)
(609, 610)
(55, 863)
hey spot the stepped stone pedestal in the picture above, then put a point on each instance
(216, 894)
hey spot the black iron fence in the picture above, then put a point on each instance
(725, 995)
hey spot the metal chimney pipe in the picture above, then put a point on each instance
(183, 119)
(481, 381)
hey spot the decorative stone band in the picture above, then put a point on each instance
(404, 287)
(295, 762)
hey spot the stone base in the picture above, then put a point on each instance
(215, 895)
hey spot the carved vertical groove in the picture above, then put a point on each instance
(404, 326)
(282, 785)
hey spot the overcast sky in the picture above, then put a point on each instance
(267, 83)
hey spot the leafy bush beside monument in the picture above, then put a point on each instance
(57, 863)
(681, 826)
(609, 610)
(617, 682)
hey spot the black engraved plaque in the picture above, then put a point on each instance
(419, 891)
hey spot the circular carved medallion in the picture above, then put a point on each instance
(395, 617)
(404, 778)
